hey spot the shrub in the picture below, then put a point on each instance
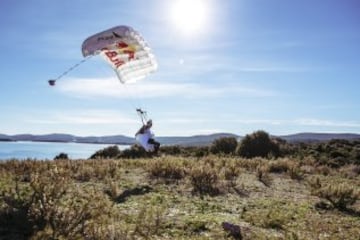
(275, 219)
(200, 152)
(262, 174)
(61, 156)
(335, 153)
(185, 151)
(15, 202)
(272, 214)
(195, 226)
(135, 151)
(355, 155)
(51, 208)
(166, 169)
(108, 152)
(231, 172)
(112, 190)
(258, 144)
(150, 221)
(225, 145)
(339, 195)
(350, 171)
(73, 216)
(171, 150)
(204, 180)
(295, 172)
(323, 169)
(279, 166)
(84, 173)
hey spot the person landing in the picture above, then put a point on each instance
(146, 138)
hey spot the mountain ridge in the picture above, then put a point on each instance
(318, 137)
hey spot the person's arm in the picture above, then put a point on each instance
(141, 130)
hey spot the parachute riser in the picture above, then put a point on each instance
(143, 115)
(52, 81)
(73, 67)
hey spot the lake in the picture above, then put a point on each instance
(48, 150)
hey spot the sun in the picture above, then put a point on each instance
(190, 16)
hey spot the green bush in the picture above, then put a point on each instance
(334, 153)
(171, 150)
(200, 152)
(258, 144)
(135, 151)
(61, 156)
(108, 152)
(225, 145)
(185, 151)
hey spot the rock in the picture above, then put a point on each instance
(232, 229)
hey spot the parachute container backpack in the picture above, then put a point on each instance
(125, 50)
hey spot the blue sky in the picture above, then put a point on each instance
(277, 65)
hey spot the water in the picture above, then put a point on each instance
(48, 150)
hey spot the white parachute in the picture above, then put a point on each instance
(125, 50)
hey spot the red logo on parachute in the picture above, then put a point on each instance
(130, 50)
(123, 48)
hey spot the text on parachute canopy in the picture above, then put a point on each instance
(122, 48)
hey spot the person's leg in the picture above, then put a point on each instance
(157, 146)
(155, 143)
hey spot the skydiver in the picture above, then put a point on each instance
(149, 137)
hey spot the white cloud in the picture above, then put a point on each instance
(86, 117)
(326, 123)
(301, 122)
(202, 63)
(111, 87)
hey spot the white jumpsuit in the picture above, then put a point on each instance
(143, 139)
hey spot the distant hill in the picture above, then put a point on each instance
(197, 140)
(117, 139)
(5, 138)
(319, 137)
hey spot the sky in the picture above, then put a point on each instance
(234, 66)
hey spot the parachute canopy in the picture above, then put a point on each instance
(125, 50)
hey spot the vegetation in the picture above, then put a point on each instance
(294, 191)
(258, 144)
(108, 152)
(225, 145)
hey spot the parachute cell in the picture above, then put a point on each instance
(125, 50)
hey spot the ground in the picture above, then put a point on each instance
(174, 198)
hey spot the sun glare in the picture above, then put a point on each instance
(189, 16)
